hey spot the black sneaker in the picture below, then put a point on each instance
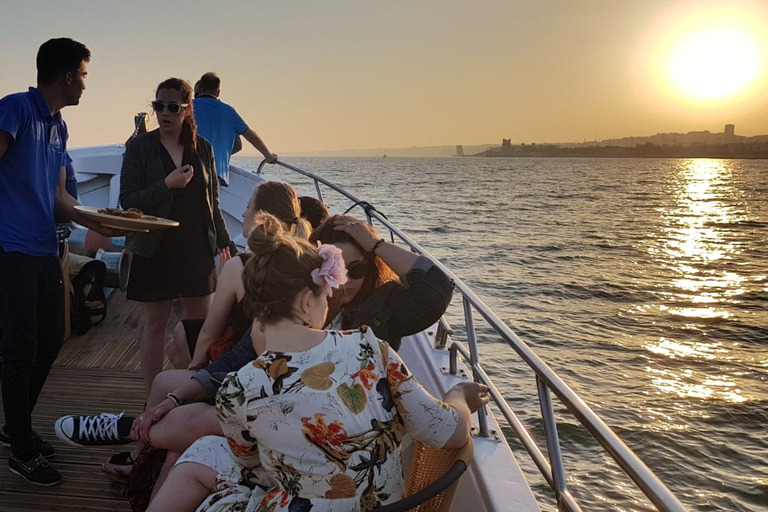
(44, 447)
(98, 430)
(35, 470)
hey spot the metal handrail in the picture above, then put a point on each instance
(547, 381)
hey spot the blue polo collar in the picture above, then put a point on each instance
(42, 105)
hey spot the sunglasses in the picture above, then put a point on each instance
(357, 269)
(172, 108)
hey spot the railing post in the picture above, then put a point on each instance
(482, 421)
(553, 441)
(319, 192)
(453, 357)
(443, 333)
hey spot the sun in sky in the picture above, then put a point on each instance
(706, 60)
(714, 63)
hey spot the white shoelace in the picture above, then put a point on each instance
(100, 428)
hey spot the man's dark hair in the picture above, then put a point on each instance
(59, 56)
(210, 83)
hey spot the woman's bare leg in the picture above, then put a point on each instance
(152, 344)
(185, 488)
(164, 383)
(180, 428)
(170, 459)
(196, 307)
(178, 349)
(184, 425)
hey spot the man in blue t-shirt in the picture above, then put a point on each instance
(33, 159)
(220, 124)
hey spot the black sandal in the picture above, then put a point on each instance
(122, 459)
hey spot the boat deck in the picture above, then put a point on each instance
(96, 372)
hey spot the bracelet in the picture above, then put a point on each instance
(376, 245)
(175, 398)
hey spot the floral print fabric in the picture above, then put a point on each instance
(326, 424)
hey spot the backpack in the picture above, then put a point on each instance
(89, 304)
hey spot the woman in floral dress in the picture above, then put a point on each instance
(316, 421)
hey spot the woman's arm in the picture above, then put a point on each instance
(230, 280)
(465, 398)
(436, 423)
(202, 385)
(421, 299)
(414, 304)
(191, 391)
(400, 260)
(233, 360)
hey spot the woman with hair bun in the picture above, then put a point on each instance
(323, 411)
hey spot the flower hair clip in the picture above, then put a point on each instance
(332, 269)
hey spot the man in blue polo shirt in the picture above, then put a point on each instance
(220, 124)
(33, 160)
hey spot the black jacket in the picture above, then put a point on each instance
(142, 186)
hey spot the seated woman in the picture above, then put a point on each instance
(394, 291)
(193, 341)
(324, 411)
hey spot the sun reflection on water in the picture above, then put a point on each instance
(691, 251)
(676, 350)
(693, 233)
(688, 384)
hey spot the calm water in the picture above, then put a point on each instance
(643, 283)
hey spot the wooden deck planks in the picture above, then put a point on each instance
(114, 343)
(94, 373)
(85, 487)
(110, 344)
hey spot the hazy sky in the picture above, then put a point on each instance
(331, 74)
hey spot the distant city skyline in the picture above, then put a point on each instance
(450, 149)
(326, 76)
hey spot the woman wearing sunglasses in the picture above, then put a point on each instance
(170, 172)
(392, 290)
